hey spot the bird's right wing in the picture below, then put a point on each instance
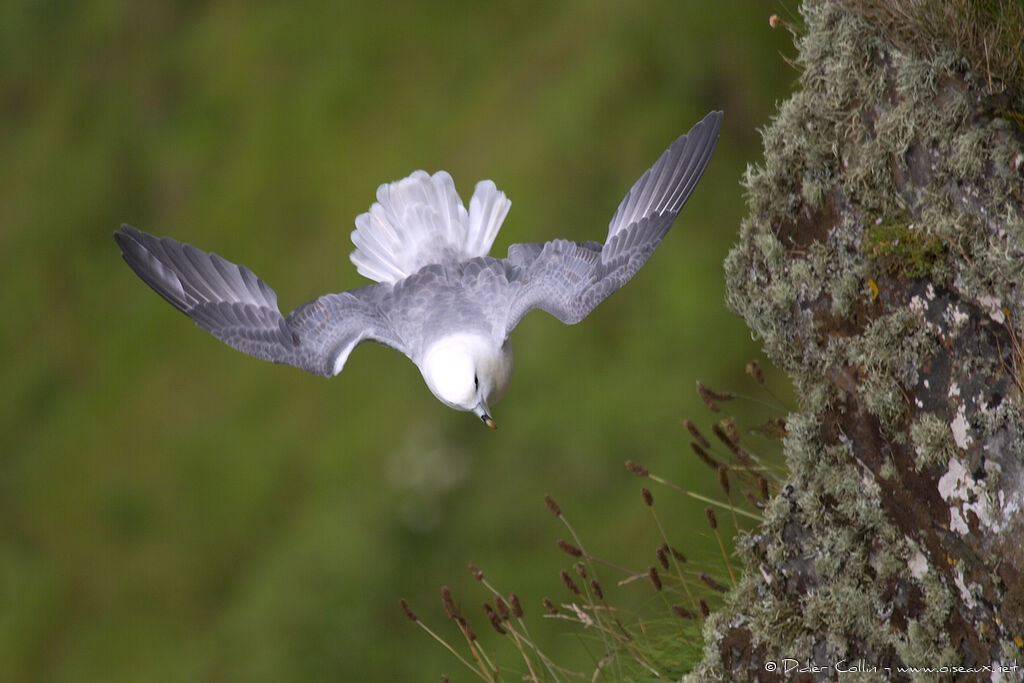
(233, 304)
(569, 279)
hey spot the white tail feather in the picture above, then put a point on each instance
(421, 220)
(487, 210)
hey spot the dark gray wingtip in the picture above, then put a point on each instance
(664, 188)
(121, 234)
(127, 231)
(233, 304)
(714, 122)
(138, 255)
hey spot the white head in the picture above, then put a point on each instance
(468, 372)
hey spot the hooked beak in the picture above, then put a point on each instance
(482, 413)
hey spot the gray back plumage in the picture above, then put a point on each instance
(481, 295)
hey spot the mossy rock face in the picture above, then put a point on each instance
(898, 249)
(880, 266)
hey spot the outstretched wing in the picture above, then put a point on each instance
(231, 303)
(569, 279)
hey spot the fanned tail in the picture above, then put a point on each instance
(421, 220)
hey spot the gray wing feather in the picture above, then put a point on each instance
(569, 279)
(230, 302)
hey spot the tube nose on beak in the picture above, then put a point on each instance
(482, 412)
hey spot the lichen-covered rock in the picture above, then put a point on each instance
(880, 266)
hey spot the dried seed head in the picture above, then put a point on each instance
(712, 584)
(502, 607)
(773, 21)
(678, 555)
(710, 397)
(710, 514)
(517, 608)
(763, 483)
(695, 433)
(569, 548)
(729, 427)
(753, 369)
(743, 456)
(550, 606)
(475, 571)
(493, 618)
(468, 630)
(408, 610)
(449, 604)
(723, 479)
(552, 505)
(723, 437)
(702, 392)
(444, 679)
(652, 574)
(704, 457)
(648, 498)
(663, 555)
(705, 611)
(682, 612)
(637, 469)
(581, 570)
(596, 587)
(569, 583)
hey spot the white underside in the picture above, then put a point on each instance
(451, 365)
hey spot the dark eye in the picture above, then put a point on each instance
(476, 381)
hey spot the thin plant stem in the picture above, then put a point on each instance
(675, 561)
(765, 404)
(519, 646)
(705, 499)
(543, 658)
(725, 557)
(481, 672)
(579, 544)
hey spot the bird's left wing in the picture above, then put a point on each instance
(233, 304)
(569, 279)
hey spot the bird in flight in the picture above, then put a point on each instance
(438, 297)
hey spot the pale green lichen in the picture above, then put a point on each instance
(932, 441)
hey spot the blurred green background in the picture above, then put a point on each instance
(173, 510)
